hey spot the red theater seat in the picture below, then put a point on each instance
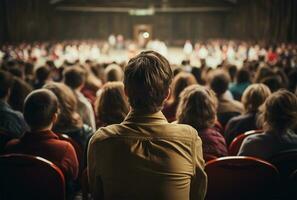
(30, 177)
(240, 178)
(236, 143)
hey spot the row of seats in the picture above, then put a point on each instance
(228, 176)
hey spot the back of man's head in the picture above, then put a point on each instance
(6, 82)
(147, 78)
(39, 108)
(74, 77)
(220, 82)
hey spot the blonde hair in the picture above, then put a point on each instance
(279, 111)
(197, 107)
(254, 96)
(111, 105)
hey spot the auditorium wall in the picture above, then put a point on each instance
(35, 20)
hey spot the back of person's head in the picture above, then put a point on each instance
(6, 82)
(262, 73)
(219, 82)
(280, 111)
(39, 109)
(68, 116)
(243, 76)
(254, 96)
(180, 82)
(112, 105)
(42, 73)
(16, 71)
(232, 70)
(113, 72)
(292, 85)
(74, 77)
(147, 78)
(197, 72)
(19, 92)
(197, 107)
(273, 82)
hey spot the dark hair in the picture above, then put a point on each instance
(39, 108)
(113, 72)
(6, 82)
(74, 77)
(147, 78)
(180, 82)
(42, 73)
(112, 96)
(220, 82)
(19, 92)
(243, 76)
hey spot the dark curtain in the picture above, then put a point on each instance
(267, 20)
(34, 20)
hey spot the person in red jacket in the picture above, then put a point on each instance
(40, 113)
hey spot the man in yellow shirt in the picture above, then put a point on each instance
(145, 157)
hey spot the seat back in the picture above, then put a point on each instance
(208, 157)
(236, 143)
(85, 185)
(30, 177)
(240, 177)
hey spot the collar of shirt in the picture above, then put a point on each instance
(40, 135)
(139, 117)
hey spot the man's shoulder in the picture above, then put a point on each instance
(168, 130)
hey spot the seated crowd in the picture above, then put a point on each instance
(146, 129)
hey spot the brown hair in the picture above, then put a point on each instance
(279, 111)
(180, 82)
(219, 82)
(111, 104)
(68, 116)
(197, 107)
(147, 78)
(39, 108)
(113, 72)
(74, 77)
(254, 96)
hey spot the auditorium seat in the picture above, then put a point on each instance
(240, 177)
(208, 157)
(236, 143)
(30, 177)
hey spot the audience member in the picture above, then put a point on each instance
(197, 108)
(111, 105)
(74, 77)
(113, 72)
(253, 97)
(242, 82)
(279, 120)
(12, 122)
(69, 121)
(19, 91)
(41, 112)
(151, 152)
(180, 82)
(227, 107)
(42, 76)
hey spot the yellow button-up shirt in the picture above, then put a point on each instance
(145, 157)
